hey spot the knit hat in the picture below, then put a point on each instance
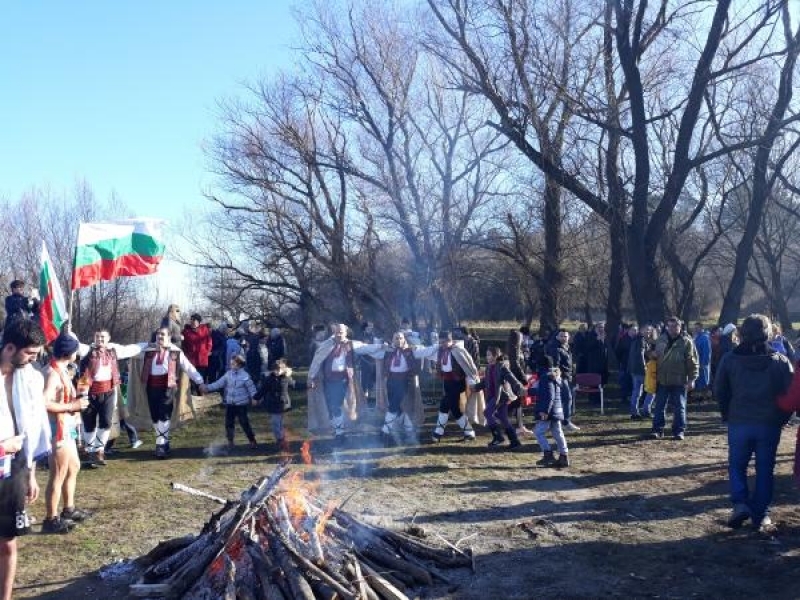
(65, 345)
(728, 329)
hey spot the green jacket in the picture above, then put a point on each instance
(678, 363)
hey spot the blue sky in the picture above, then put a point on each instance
(123, 94)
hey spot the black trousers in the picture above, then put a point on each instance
(451, 401)
(159, 401)
(237, 411)
(100, 406)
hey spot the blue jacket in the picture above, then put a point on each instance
(239, 388)
(702, 342)
(548, 396)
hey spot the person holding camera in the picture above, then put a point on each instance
(20, 306)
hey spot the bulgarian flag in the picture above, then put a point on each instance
(52, 309)
(122, 248)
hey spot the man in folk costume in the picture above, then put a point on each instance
(24, 438)
(457, 371)
(401, 367)
(332, 369)
(159, 377)
(99, 369)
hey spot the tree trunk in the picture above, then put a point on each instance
(616, 276)
(762, 186)
(552, 274)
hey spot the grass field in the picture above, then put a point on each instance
(630, 518)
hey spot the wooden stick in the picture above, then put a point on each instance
(301, 589)
(262, 568)
(164, 549)
(382, 585)
(400, 566)
(390, 577)
(192, 491)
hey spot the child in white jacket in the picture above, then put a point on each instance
(238, 395)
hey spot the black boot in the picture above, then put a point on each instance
(513, 440)
(547, 460)
(497, 437)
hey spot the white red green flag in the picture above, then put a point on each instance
(52, 308)
(122, 248)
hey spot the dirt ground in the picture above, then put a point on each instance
(631, 517)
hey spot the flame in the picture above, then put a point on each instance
(323, 520)
(305, 452)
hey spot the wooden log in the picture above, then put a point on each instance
(328, 578)
(149, 590)
(263, 570)
(435, 573)
(390, 577)
(230, 578)
(400, 565)
(164, 549)
(388, 570)
(180, 487)
(301, 590)
(188, 575)
(382, 584)
(365, 592)
(322, 591)
(171, 564)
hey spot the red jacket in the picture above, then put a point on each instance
(196, 345)
(790, 402)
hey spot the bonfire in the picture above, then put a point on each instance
(279, 541)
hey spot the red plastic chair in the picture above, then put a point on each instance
(590, 383)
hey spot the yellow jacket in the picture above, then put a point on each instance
(650, 370)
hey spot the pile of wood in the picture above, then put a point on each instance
(279, 542)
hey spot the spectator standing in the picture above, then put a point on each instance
(172, 323)
(549, 414)
(366, 365)
(63, 407)
(595, 356)
(702, 341)
(622, 351)
(276, 344)
(24, 438)
(750, 380)
(676, 372)
(197, 344)
(216, 363)
(637, 367)
(20, 306)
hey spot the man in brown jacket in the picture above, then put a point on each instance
(678, 367)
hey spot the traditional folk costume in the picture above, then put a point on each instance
(159, 376)
(400, 370)
(457, 371)
(332, 368)
(99, 367)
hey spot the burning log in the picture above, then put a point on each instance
(193, 492)
(278, 543)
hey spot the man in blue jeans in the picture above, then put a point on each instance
(748, 382)
(678, 367)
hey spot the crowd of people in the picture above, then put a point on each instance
(50, 409)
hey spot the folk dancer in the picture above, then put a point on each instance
(332, 371)
(99, 370)
(400, 370)
(159, 377)
(457, 370)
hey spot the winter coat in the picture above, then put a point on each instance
(548, 395)
(748, 384)
(506, 386)
(636, 356)
(276, 346)
(239, 387)
(677, 360)
(702, 341)
(273, 391)
(197, 345)
(562, 359)
(595, 356)
(651, 376)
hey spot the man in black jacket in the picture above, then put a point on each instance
(20, 306)
(748, 383)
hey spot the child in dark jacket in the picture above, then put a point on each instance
(273, 392)
(549, 414)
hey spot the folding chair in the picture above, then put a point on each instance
(590, 383)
